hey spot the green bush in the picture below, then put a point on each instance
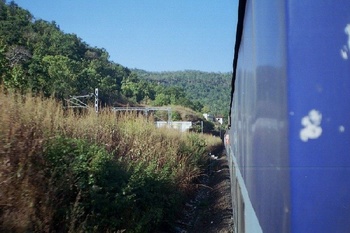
(102, 174)
(85, 180)
(94, 193)
(194, 148)
(151, 199)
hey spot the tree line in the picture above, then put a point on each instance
(36, 55)
(210, 88)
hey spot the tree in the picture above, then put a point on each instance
(161, 100)
(206, 109)
(3, 61)
(63, 73)
(201, 88)
(16, 78)
(17, 55)
(15, 22)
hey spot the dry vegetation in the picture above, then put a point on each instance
(63, 171)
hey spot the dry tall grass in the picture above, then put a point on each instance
(27, 123)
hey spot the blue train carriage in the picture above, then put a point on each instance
(289, 138)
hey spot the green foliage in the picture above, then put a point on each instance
(95, 193)
(196, 146)
(137, 90)
(162, 100)
(62, 74)
(86, 179)
(175, 116)
(149, 199)
(72, 183)
(36, 55)
(101, 175)
(173, 95)
(203, 89)
(14, 22)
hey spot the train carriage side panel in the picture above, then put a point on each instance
(259, 115)
(319, 114)
(290, 120)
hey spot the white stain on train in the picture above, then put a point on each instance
(312, 126)
(346, 48)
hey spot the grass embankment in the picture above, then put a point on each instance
(67, 172)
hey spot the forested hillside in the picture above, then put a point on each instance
(211, 89)
(36, 55)
(63, 170)
(67, 172)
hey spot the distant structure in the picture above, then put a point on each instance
(219, 119)
(146, 110)
(211, 118)
(182, 126)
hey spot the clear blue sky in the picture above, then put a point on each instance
(154, 35)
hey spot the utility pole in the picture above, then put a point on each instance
(77, 101)
(96, 100)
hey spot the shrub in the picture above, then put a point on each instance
(94, 193)
(63, 171)
(85, 179)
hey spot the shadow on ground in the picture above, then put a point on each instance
(210, 210)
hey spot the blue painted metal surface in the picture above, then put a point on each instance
(319, 79)
(290, 132)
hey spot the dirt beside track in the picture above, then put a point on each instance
(210, 210)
